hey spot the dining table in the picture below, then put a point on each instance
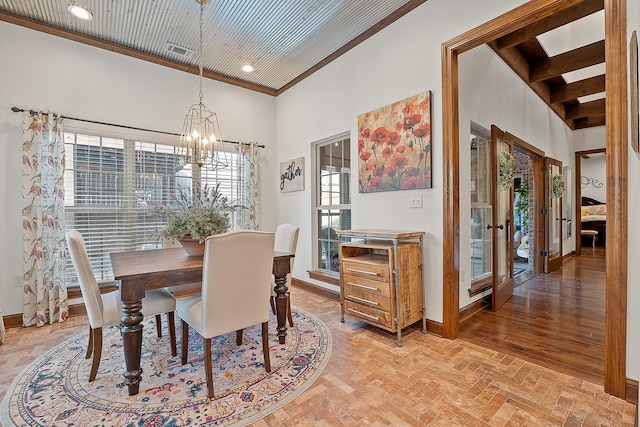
(140, 270)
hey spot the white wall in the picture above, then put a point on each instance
(593, 179)
(491, 93)
(49, 73)
(401, 61)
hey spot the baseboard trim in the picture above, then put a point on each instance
(435, 328)
(12, 320)
(469, 310)
(315, 289)
(569, 255)
(631, 391)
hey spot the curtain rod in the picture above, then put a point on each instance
(20, 110)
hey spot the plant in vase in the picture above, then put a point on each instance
(196, 218)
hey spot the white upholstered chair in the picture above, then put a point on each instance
(106, 309)
(286, 241)
(234, 297)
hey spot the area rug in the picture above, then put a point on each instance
(518, 271)
(54, 389)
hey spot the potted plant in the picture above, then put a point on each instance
(196, 218)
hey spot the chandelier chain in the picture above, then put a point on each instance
(200, 56)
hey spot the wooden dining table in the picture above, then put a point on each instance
(138, 271)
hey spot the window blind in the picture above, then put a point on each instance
(111, 184)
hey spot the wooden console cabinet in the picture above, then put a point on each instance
(381, 278)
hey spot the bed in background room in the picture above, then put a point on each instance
(593, 217)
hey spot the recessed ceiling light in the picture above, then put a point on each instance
(248, 68)
(80, 12)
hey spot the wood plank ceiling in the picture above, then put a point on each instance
(284, 56)
(523, 51)
(285, 41)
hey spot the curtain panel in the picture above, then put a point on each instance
(248, 219)
(44, 259)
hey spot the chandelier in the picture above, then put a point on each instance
(200, 139)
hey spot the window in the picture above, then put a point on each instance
(111, 184)
(332, 178)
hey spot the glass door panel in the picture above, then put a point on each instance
(502, 219)
(481, 207)
(554, 189)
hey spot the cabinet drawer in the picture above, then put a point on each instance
(368, 299)
(363, 284)
(368, 314)
(376, 271)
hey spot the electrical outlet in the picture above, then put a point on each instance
(416, 201)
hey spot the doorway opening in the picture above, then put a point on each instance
(617, 137)
(524, 237)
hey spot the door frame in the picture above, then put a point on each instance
(578, 201)
(616, 144)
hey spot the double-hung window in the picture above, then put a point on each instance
(111, 184)
(332, 173)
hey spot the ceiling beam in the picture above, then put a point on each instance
(518, 63)
(572, 60)
(586, 109)
(587, 122)
(579, 88)
(563, 17)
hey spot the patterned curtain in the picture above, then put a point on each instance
(249, 154)
(43, 159)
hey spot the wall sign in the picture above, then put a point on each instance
(292, 175)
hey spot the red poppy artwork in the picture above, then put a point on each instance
(394, 146)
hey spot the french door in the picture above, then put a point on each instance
(553, 214)
(502, 218)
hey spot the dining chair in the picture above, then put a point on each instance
(286, 240)
(106, 309)
(235, 267)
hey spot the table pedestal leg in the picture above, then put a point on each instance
(281, 267)
(281, 307)
(132, 343)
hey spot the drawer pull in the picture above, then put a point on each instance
(370, 273)
(364, 314)
(371, 288)
(363, 300)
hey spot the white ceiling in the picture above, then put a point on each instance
(282, 38)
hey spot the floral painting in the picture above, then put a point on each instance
(394, 146)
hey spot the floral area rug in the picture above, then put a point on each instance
(54, 389)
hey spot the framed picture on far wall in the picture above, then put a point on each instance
(394, 146)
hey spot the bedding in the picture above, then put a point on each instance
(594, 217)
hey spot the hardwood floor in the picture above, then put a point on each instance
(429, 381)
(556, 319)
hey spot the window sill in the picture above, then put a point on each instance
(73, 291)
(480, 286)
(325, 276)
